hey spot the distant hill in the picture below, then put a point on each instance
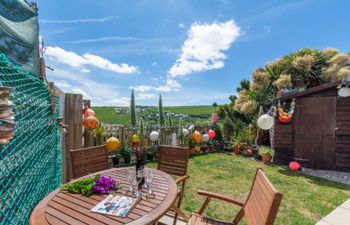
(120, 115)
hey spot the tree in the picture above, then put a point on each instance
(141, 133)
(244, 85)
(132, 109)
(161, 112)
(215, 105)
(170, 122)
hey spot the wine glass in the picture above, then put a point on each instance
(131, 177)
(149, 179)
(137, 181)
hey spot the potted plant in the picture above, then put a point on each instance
(126, 153)
(237, 144)
(151, 152)
(115, 158)
(191, 145)
(266, 154)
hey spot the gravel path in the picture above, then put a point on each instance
(341, 177)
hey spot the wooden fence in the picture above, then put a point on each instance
(125, 133)
(77, 137)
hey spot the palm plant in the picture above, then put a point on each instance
(306, 66)
(99, 133)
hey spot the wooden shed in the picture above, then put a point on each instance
(318, 135)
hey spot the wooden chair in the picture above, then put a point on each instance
(260, 208)
(85, 161)
(174, 160)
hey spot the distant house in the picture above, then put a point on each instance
(140, 108)
(121, 110)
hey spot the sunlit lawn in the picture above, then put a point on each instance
(305, 199)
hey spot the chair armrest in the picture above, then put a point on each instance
(220, 197)
(182, 179)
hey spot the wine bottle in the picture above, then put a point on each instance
(140, 165)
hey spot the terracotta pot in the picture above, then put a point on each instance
(266, 158)
(236, 149)
(192, 151)
(197, 149)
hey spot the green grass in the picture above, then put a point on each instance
(305, 200)
(107, 114)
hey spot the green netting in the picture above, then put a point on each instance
(31, 163)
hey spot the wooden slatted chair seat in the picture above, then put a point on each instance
(174, 161)
(88, 160)
(260, 208)
(197, 219)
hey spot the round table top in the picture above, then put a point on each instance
(60, 207)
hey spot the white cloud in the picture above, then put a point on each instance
(82, 92)
(154, 64)
(99, 92)
(203, 48)
(121, 101)
(100, 39)
(181, 25)
(103, 63)
(91, 20)
(63, 84)
(76, 61)
(143, 96)
(84, 70)
(141, 88)
(170, 85)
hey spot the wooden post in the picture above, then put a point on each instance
(74, 119)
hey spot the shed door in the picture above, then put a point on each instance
(313, 133)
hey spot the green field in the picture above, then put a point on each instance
(108, 115)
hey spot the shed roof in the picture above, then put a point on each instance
(319, 88)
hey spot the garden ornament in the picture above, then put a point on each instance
(135, 140)
(154, 136)
(205, 138)
(112, 144)
(185, 132)
(344, 89)
(294, 166)
(211, 134)
(197, 136)
(88, 112)
(266, 121)
(90, 122)
(173, 139)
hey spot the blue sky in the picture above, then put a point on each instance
(193, 52)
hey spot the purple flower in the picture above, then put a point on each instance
(104, 185)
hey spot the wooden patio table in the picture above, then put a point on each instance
(60, 207)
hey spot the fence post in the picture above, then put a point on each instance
(74, 119)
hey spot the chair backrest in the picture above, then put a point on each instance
(173, 160)
(263, 201)
(85, 161)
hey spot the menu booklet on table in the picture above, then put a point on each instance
(115, 205)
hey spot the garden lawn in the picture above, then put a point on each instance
(305, 199)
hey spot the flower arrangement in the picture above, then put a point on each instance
(98, 184)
